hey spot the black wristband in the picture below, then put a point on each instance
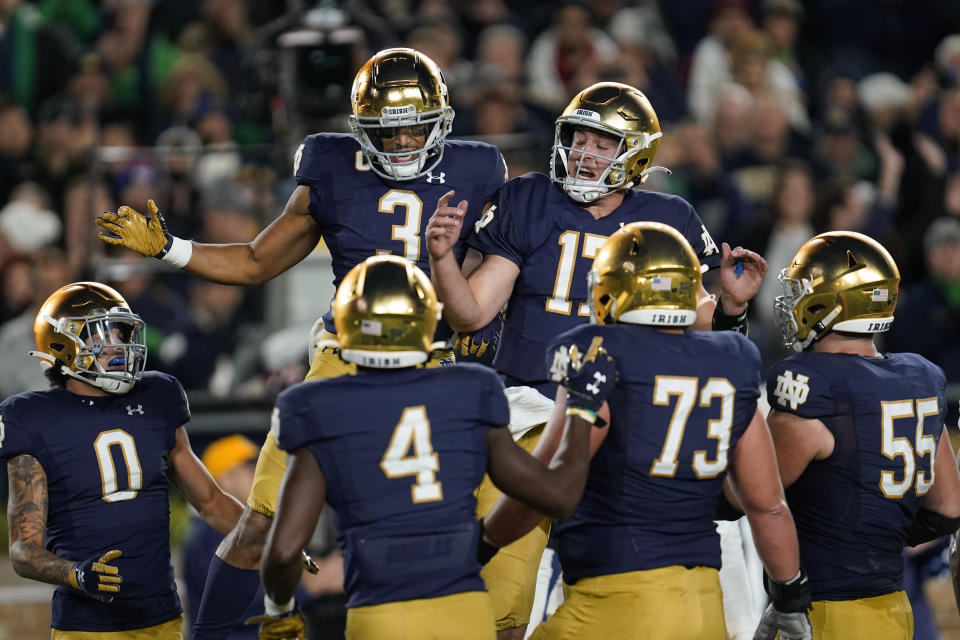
(929, 525)
(723, 322)
(789, 597)
(485, 551)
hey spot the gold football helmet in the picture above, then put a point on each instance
(838, 281)
(397, 89)
(645, 273)
(78, 323)
(616, 110)
(386, 312)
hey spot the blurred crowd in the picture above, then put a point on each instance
(782, 119)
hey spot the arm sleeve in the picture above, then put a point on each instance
(14, 436)
(793, 386)
(498, 177)
(290, 422)
(493, 408)
(309, 171)
(498, 232)
(699, 238)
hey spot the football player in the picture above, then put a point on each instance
(400, 472)
(90, 463)
(364, 194)
(860, 437)
(640, 555)
(538, 238)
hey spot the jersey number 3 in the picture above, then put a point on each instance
(413, 432)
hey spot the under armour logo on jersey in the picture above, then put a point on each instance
(131, 410)
(792, 390)
(439, 179)
(594, 387)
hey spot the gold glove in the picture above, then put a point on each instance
(287, 626)
(131, 229)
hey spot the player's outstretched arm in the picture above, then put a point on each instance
(27, 521)
(468, 304)
(301, 499)
(553, 490)
(756, 485)
(510, 519)
(586, 381)
(284, 243)
(187, 473)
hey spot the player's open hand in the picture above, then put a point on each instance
(131, 229)
(443, 229)
(96, 577)
(741, 273)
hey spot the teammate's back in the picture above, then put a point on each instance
(854, 507)
(682, 403)
(402, 452)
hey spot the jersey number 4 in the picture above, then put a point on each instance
(893, 447)
(413, 432)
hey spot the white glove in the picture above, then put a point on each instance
(792, 626)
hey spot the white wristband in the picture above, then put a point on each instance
(273, 609)
(180, 252)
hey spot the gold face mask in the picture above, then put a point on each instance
(838, 281)
(645, 273)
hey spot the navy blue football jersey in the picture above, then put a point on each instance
(853, 508)
(105, 459)
(361, 214)
(553, 242)
(401, 472)
(680, 406)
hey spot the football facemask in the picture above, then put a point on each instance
(615, 110)
(88, 330)
(401, 113)
(838, 281)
